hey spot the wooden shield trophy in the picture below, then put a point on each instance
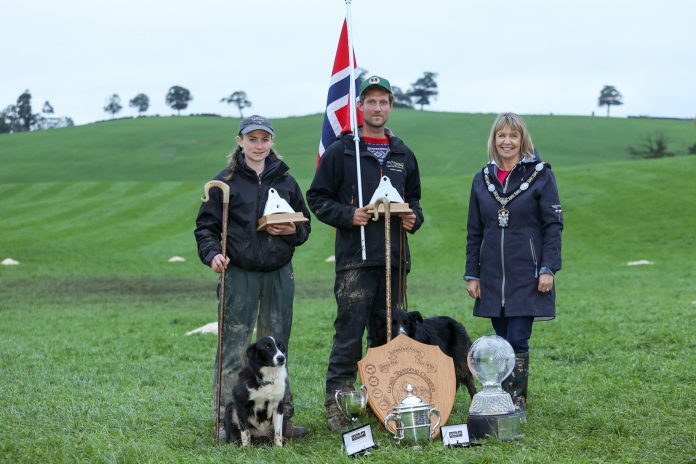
(386, 370)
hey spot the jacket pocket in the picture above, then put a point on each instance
(534, 258)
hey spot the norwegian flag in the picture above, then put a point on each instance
(337, 115)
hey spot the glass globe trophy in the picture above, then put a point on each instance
(492, 413)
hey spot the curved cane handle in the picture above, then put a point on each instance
(439, 417)
(375, 212)
(219, 184)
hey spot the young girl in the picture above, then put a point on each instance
(259, 281)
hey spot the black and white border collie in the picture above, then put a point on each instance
(257, 408)
(447, 333)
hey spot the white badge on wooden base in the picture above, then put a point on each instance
(278, 211)
(357, 441)
(386, 190)
(456, 436)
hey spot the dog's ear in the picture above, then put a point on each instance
(251, 349)
(415, 317)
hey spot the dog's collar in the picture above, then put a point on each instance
(263, 383)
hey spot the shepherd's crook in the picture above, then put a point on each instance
(387, 256)
(221, 310)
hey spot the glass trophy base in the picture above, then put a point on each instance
(505, 427)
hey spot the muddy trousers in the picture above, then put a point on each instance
(252, 298)
(361, 299)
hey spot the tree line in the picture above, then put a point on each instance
(19, 117)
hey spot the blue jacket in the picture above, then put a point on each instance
(508, 260)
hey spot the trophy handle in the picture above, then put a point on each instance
(336, 398)
(363, 403)
(439, 417)
(393, 417)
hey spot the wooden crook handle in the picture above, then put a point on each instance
(219, 184)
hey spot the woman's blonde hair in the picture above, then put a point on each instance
(514, 122)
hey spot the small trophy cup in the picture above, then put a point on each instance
(492, 413)
(352, 403)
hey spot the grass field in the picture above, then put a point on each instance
(95, 366)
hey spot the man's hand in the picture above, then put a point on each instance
(408, 220)
(361, 215)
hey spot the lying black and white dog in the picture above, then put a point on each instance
(450, 335)
(257, 408)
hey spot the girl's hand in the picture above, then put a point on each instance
(219, 263)
(286, 228)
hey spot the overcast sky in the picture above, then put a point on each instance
(527, 56)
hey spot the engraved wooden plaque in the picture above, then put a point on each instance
(387, 369)
(280, 218)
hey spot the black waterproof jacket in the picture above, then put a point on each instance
(508, 260)
(247, 248)
(333, 198)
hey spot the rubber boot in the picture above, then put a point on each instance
(289, 430)
(516, 384)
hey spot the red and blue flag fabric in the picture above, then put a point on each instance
(337, 115)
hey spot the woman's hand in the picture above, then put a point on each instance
(473, 287)
(219, 263)
(286, 228)
(545, 283)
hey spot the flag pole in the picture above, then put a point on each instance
(354, 121)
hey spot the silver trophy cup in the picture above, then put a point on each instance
(352, 403)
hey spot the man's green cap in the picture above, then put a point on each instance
(375, 81)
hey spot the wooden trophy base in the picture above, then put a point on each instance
(394, 208)
(280, 218)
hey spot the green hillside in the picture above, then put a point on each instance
(194, 148)
(95, 367)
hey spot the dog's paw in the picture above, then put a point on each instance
(246, 438)
(278, 440)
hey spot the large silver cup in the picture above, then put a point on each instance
(352, 403)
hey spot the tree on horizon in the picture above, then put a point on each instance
(239, 99)
(401, 98)
(47, 108)
(141, 102)
(178, 98)
(424, 89)
(113, 105)
(26, 118)
(609, 96)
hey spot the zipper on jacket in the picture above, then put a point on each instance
(536, 267)
(502, 264)
(502, 244)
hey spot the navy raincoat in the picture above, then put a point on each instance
(508, 260)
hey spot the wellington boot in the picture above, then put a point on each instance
(516, 384)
